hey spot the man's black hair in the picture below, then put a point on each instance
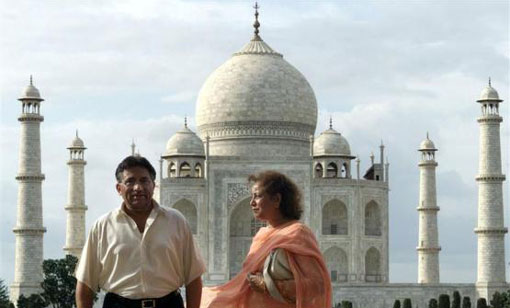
(134, 161)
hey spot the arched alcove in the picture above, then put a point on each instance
(373, 265)
(334, 218)
(185, 170)
(172, 170)
(337, 264)
(189, 210)
(318, 170)
(198, 170)
(372, 219)
(332, 170)
(242, 228)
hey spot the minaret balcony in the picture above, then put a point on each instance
(29, 230)
(428, 249)
(491, 230)
(30, 177)
(490, 178)
(30, 117)
(430, 209)
(490, 118)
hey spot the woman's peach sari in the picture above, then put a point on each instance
(313, 287)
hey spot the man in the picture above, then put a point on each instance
(140, 253)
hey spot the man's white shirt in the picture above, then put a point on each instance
(118, 258)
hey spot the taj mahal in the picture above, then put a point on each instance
(256, 112)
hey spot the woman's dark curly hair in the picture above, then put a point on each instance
(273, 183)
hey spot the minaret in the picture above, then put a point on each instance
(75, 232)
(428, 243)
(490, 229)
(29, 228)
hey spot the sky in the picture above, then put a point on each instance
(118, 71)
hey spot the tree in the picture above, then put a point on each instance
(433, 303)
(481, 303)
(396, 304)
(59, 283)
(497, 300)
(444, 301)
(466, 302)
(346, 304)
(456, 300)
(33, 301)
(407, 303)
(4, 296)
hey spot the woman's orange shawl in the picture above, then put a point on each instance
(313, 286)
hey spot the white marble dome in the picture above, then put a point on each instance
(489, 94)
(427, 145)
(76, 143)
(331, 143)
(31, 92)
(256, 92)
(184, 143)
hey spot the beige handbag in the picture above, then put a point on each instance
(276, 267)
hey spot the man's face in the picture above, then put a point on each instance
(136, 188)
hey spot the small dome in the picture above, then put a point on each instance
(77, 143)
(427, 145)
(489, 94)
(184, 143)
(31, 92)
(331, 142)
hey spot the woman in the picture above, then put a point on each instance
(284, 267)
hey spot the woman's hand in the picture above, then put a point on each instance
(256, 282)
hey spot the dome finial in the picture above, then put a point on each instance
(428, 133)
(77, 133)
(256, 24)
(330, 122)
(31, 81)
(490, 81)
(186, 121)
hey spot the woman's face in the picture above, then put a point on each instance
(264, 206)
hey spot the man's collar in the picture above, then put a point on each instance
(155, 208)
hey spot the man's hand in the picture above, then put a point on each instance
(193, 293)
(84, 295)
(256, 281)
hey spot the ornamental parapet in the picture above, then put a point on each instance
(490, 177)
(184, 180)
(490, 118)
(428, 249)
(491, 230)
(30, 117)
(30, 177)
(28, 230)
(320, 182)
(267, 129)
(429, 209)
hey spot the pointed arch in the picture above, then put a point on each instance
(184, 170)
(335, 218)
(319, 171)
(189, 210)
(337, 264)
(373, 265)
(332, 170)
(172, 170)
(198, 170)
(372, 219)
